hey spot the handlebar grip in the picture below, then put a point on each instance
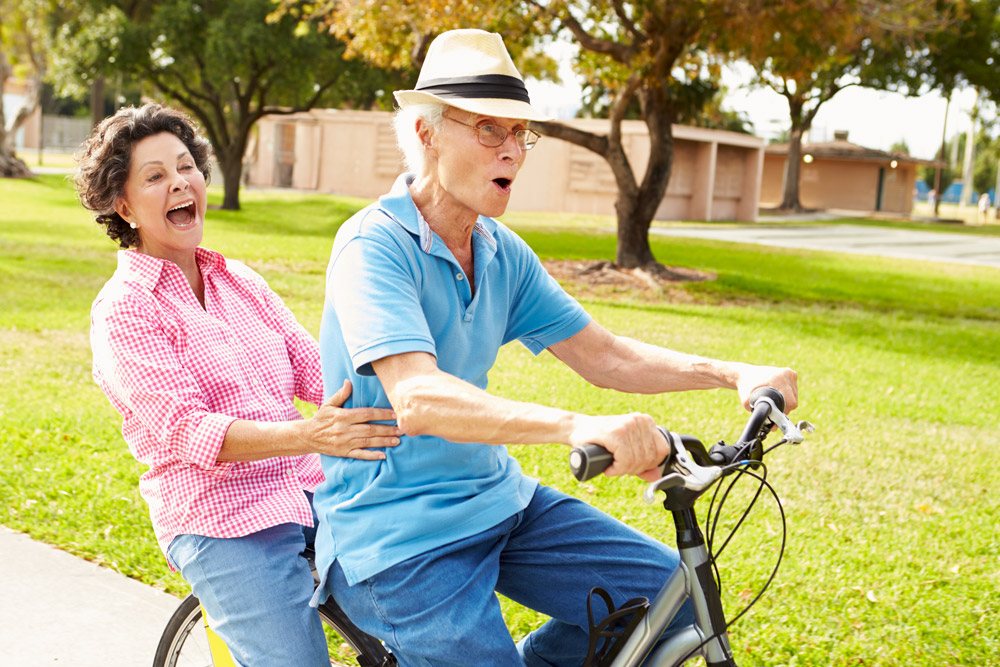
(589, 461)
(769, 392)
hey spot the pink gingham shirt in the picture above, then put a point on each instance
(180, 374)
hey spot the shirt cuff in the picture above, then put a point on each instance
(206, 443)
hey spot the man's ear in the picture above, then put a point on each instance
(425, 132)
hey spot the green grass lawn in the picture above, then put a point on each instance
(893, 553)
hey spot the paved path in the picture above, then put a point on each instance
(57, 609)
(884, 241)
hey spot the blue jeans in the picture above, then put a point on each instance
(256, 591)
(439, 608)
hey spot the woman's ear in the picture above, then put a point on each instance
(122, 209)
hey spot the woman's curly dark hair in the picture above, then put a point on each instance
(105, 158)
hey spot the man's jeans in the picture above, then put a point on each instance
(256, 591)
(439, 608)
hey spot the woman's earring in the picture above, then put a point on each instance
(132, 225)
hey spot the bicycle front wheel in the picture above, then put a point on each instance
(185, 641)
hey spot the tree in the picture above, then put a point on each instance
(646, 51)
(964, 53)
(226, 63)
(22, 52)
(861, 42)
(643, 53)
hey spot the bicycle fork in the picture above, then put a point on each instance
(693, 580)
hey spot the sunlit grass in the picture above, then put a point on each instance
(893, 552)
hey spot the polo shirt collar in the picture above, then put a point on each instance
(399, 204)
(146, 270)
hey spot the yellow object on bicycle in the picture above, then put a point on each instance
(220, 652)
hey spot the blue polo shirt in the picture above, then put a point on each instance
(394, 287)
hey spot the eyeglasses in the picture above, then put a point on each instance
(493, 136)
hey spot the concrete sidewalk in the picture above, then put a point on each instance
(857, 239)
(58, 609)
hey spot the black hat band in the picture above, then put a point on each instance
(499, 86)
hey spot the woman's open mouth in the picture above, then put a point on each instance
(182, 215)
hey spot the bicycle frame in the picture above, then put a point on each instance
(221, 657)
(691, 580)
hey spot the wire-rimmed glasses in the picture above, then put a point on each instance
(492, 136)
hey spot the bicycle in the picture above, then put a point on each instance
(628, 635)
(188, 640)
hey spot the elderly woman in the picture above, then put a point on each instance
(414, 546)
(203, 362)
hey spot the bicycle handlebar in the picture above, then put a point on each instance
(767, 407)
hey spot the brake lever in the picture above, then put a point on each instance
(791, 432)
(685, 472)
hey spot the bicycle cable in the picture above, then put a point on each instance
(712, 521)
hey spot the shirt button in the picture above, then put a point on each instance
(459, 276)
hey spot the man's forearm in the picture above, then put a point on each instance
(624, 364)
(443, 405)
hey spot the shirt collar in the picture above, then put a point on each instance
(399, 204)
(146, 270)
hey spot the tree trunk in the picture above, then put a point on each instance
(231, 163)
(97, 101)
(635, 209)
(793, 168)
(11, 166)
(633, 249)
(636, 206)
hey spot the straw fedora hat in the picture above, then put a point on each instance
(471, 70)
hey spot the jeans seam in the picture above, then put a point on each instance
(381, 614)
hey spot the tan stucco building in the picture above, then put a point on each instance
(716, 175)
(841, 175)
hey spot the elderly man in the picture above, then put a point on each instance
(423, 288)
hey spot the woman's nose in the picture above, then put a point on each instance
(179, 183)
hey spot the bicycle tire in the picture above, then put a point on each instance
(177, 637)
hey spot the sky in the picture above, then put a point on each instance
(874, 119)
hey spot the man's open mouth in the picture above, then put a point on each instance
(503, 183)
(182, 214)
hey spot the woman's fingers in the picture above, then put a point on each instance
(340, 396)
(365, 455)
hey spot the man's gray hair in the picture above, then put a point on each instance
(405, 124)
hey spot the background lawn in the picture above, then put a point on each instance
(893, 555)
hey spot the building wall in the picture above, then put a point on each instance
(829, 183)
(715, 176)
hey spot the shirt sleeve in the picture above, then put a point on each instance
(137, 366)
(542, 313)
(374, 289)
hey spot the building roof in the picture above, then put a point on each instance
(841, 149)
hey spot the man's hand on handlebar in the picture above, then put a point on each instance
(637, 444)
(784, 380)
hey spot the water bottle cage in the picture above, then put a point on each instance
(608, 636)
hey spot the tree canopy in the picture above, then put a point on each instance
(227, 63)
(809, 50)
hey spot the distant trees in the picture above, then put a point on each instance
(807, 51)
(225, 62)
(23, 52)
